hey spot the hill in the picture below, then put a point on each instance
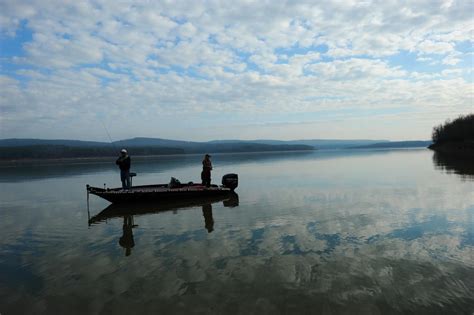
(320, 144)
(141, 142)
(395, 144)
(13, 149)
(14, 142)
(61, 148)
(189, 145)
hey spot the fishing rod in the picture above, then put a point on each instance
(108, 135)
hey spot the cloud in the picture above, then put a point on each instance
(356, 68)
(150, 59)
(452, 59)
(431, 47)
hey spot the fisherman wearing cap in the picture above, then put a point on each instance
(206, 171)
(124, 163)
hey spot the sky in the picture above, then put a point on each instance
(207, 70)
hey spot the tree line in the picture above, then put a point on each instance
(460, 129)
(49, 151)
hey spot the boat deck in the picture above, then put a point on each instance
(163, 189)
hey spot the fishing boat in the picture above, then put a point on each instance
(161, 192)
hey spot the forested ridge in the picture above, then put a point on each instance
(460, 129)
(51, 151)
(456, 136)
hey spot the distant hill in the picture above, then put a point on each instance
(61, 148)
(395, 144)
(189, 145)
(13, 149)
(13, 142)
(141, 142)
(320, 144)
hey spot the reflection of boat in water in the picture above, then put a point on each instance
(128, 211)
(121, 210)
(454, 163)
(163, 192)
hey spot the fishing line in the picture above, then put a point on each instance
(108, 134)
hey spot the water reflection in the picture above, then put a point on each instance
(459, 164)
(208, 219)
(128, 211)
(374, 233)
(126, 241)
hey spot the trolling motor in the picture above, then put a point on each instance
(230, 181)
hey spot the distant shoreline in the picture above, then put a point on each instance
(396, 145)
(62, 151)
(111, 159)
(31, 151)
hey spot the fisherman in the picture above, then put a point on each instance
(124, 163)
(206, 170)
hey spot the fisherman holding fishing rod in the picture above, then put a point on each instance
(124, 163)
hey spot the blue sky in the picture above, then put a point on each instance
(203, 70)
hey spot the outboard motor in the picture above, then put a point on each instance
(230, 181)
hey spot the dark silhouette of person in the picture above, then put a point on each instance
(124, 163)
(208, 220)
(126, 241)
(206, 171)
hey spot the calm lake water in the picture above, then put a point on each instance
(334, 232)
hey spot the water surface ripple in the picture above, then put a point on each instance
(337, 232)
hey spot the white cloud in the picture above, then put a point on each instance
(355, 68)
(452, 59)
(147, 59)
(431, 47)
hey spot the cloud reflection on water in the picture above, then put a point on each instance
(405, 245)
